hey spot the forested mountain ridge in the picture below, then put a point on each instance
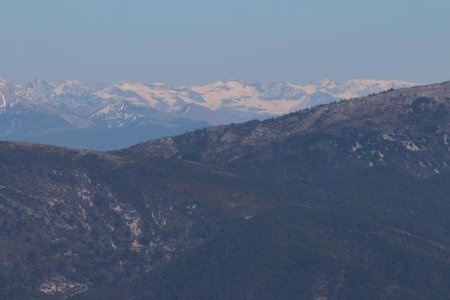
(342, 201)
(409, 121)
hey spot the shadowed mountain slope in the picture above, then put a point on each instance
(343, 201)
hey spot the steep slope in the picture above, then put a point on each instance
(382, 160)
(299, 253)
(392, 128)
(72, 219)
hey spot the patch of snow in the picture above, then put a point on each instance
(187, 110)
(84, 222)
(191, 208)
(387, 137)
(136, 246)
(85, 196)
(410, 146)
(381, 156)
(3, 104)
(60, 285)
(133, 224)
(356, 147)
(117, 208)
(54, 201)
(158, 219)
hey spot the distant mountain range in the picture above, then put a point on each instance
(104, 117)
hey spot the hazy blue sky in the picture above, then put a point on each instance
(192, 41)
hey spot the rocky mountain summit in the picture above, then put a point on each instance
(104, 117)
(347, 200)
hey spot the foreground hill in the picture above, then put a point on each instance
(342, 201)
(299, 253)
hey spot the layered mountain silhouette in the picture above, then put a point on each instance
(105, 117)
(347, 200)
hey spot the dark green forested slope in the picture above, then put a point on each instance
(343, 201)
(299, 253)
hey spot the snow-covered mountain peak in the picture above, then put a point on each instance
(265, 98)
(3, 82)
(9, 94)
(73, 105)
(137, 93)
(39, 88)
(7, 85)
(158, 84)
(115, 108)
(272, 90)
(325, 83)
(362, 87)
(76, 87)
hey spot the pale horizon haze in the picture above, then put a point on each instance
(197, 42)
